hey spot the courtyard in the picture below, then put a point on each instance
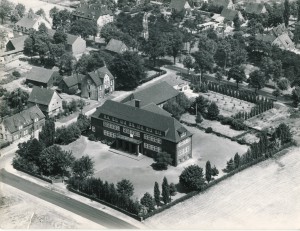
(114, 167)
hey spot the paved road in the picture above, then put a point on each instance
(65, 202)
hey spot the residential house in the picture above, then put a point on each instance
(42, 77)
(16, 45)
(180, 5)
(27, 122)
(95, 12)
(158, 94)
(136, 130)
(29, 23)
(71, 84)
(75, 44)
(255, 8)
(281, 29)
(225, 4)
(97, 84)
(48, 100)
(283, 41)
(116, 46)
(229, 16)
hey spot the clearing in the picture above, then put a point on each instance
(113, 167)
(19, 210)
(265, 196)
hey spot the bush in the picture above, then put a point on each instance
(209, 130)
(16, 74)
(199, 118)
(92, 137)
(238, 124)
(192, 178)
(4, 144)
(30, 85)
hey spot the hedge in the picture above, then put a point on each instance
(35, 175)
(4, 144)
(105, 203)
(214, 182)
(160, 72)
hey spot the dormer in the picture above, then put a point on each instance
(181, 132)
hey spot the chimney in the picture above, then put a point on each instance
(137, 103)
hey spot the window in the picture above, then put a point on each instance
(112, 126)
(36, 120)
(20, 127)
(93, 129)
(148, 129)
(152, 138)
(16, 137)
(25, 132)
(152, 147)
(184, 151)
(183, 142)
(131, 132)
(106, 117)
(183, 134)
(111, 83)
(109, 134)
(157, 132)
(131, 124)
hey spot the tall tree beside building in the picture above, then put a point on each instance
(208, 171)
(20, 9)
(286, 13)
(165, 191)
(47, 135)
(156, 194)
(5, 9)
(203, 62)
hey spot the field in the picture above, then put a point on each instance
(265, 196)
(113, 167)
(228, 106)
(19, 210)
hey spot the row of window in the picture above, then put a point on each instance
(130, 124)
(112, 126)
(109, 134)
(186, 141)
(152, 138)
(152, 147)
(184, 151)
(129, 131)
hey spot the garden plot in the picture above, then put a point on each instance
(228, 106)
(249, 138)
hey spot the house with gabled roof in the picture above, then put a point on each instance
(137, 129)
(255, 8)
(16, 45)
(180, 5)
(42, 77)
(30, 23)
(27, 122)
(97, 84)
(229, 16)
(116, 46)
(283, 41)
(48, 100)
(71, 84)
(75, 44)
(158, 94)
(95, 12)
(225, 4)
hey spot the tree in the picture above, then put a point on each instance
(296, 96)
(17, 98)
(47, 134)
(192, 178)
(286, 13)
(237, 160)
(276, 92)
(83, 122)
(67, 63)
(208, 171)
(163, 159)
(214, 171)
(219, 76)
(213, 111)
(175, 44)
(60, 37)
(14, 16)
(125, 187)
(148, 202)
(283, 84)
(257, 80)
(31, 150)
(200, 104)
(156, 194)
(129, 70)
(173, 189)
(230, 166)
(174, 108)
(188, 63)
(237, 23)
(283, 132)
(165, 191)
(5, 9)
(83, 167)
(222, 53)
(61, 19)
(41, 12)
(238, 74)
(84, 28)
(20, 9)
(55, 162)
(53, 12)
(298, 10)
(203, 62)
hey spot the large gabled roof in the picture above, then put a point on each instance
(229, 14)
(179, 5)
(116, 46)
(98, 75)
(73, 80)
(28, 21)
(23, 118)
(254, 8)
(18, 43)
(157, 93)
(70, 38)
(41, 95)
(40, 74)
(149, 119)
(91, 11)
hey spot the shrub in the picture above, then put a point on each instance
(209, 130)
(4, 145)
(199, 118)
(213, 111)
(92, 137)
(16, 74)
(238, 124)
(192, 178)
(30, 85)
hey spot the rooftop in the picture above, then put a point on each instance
(91, 11)
(18, 43)
(98, 75)
(40, 74)
(116, 46)
(41, 95)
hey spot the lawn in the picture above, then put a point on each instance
(113, 167)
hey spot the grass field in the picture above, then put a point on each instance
(265, 196)
(113, 167)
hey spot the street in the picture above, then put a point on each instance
(65, 202)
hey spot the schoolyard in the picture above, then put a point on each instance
(115, 167)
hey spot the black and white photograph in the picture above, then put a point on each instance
(150, 115)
